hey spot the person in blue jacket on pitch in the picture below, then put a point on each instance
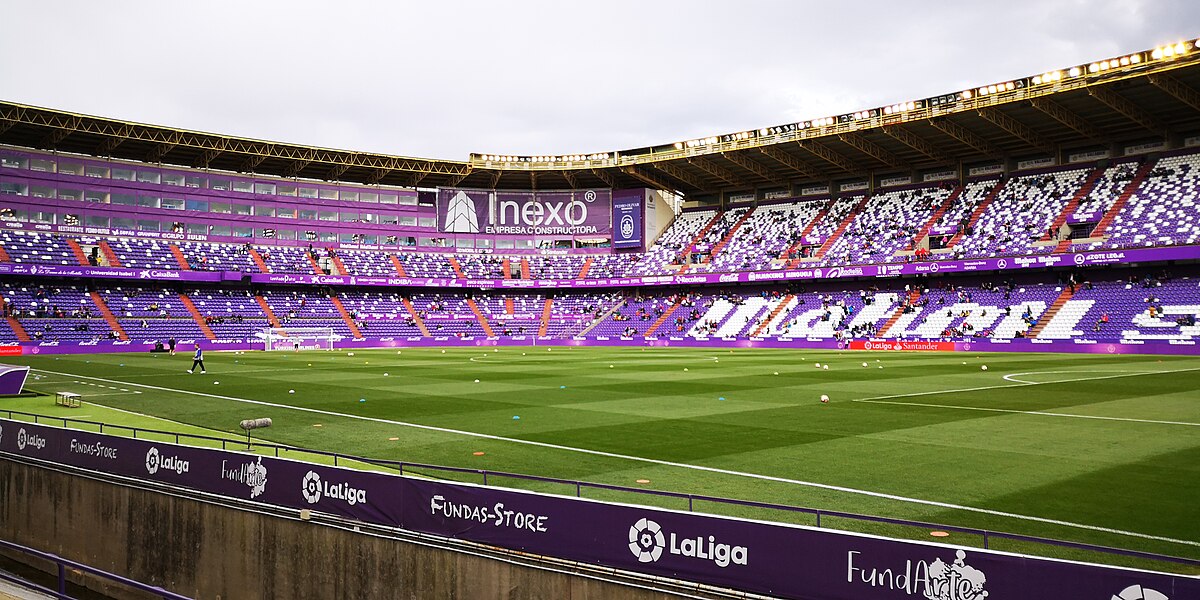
(198, 360)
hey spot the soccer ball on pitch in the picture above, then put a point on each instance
(983, 368)
(824, 399)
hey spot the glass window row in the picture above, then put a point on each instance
(212, 182)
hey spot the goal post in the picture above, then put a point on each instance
(297, 338)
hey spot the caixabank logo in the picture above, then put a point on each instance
(648, 541)
(313, 489)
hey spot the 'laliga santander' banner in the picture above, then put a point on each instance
(914, 346)
(489, 212)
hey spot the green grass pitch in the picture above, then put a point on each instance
(1093, 448)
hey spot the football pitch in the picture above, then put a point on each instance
(1093, 448)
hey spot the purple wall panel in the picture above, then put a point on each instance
(766, 558)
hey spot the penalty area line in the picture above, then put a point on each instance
(666, 463)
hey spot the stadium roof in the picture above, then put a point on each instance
(1144, 96)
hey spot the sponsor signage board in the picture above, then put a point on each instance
(939, 176)
(985, 170)
(1081, 259)
(628, 207)
(1034, 163)
(767, 558)
(491, 212)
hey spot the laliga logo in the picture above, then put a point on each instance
(154, 462)
(310, 488)
(1137, 592)
(627, 226)
(313, 489)
(647, 542)
(32, 440)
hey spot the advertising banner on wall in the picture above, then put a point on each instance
(628, 206)
(767, 558)
(1081, 259)
(37, 270)
(557, 213)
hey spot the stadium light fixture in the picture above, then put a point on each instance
(1165, 51)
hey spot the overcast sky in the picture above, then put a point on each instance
(443, 79)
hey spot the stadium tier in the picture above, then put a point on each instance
(1132, 307)
(1145, 203)
(1023, 219)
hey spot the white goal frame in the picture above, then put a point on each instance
(297, 338)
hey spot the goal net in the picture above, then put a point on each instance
(298, 338)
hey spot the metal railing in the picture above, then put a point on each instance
(62, 564)
(429, 470)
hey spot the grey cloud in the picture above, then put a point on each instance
(539, 77)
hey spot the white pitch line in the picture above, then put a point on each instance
(824, 486)
(1013, 376)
